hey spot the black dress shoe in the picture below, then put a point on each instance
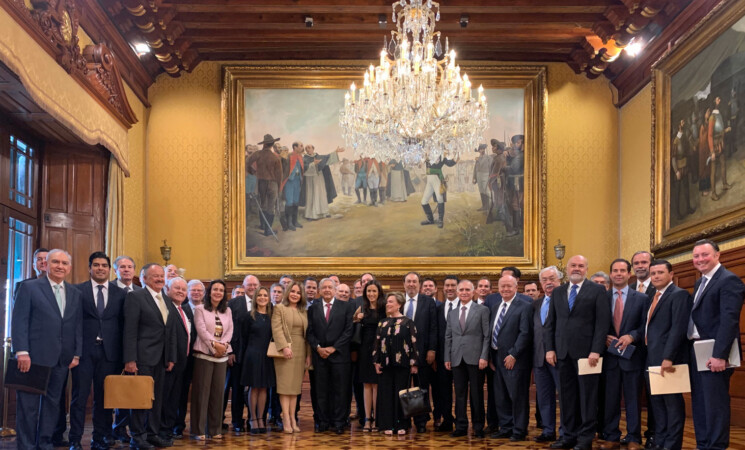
(339, 430)
(479, 434)
(459, 433)
(140, 445)
(158, 441)
(582, 447)
(447, 427)
(178, 435)
(323, 428)
(120, 434)
(625, 440)
(517, 437)
(97, 445)
(76, 446)
(491, 429)
(504, 434)
(238, 429)
(421, 429)
(544, 437)
(563, 444)
(62, 443)
(650, 442)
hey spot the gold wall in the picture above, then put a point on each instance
(134, 185)
(184, 169)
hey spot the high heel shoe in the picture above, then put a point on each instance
(262, 426)
(287, 424)
(254, 426)
(367, 427)
(295, 427)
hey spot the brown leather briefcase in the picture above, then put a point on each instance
(128, 392)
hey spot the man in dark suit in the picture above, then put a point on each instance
(443, 394)
(510, 344)
(715, 315)
(310, 285)
(423, 311)
(495, 298)
(186, 334)
(39, 267)
(624, 375)
(48, 331)
(466, 354)
(124, 267)
(577, 324)
(239, 308)
(103, 323)
(546, 375)
(329, 334)
(149, 349)
(640, 261)
(666, 322)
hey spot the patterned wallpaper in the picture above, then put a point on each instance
(134, 185)
(183, 169)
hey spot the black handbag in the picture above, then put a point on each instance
(414, 400)
(357, 334)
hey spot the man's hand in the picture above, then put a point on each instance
(430, 357)
(74, 363)
(509, 362)
(323, 352)
(231, 360)
(169, 367)
(593, 359)
(716, 364)
(608, 339)
(483, 363)
(414, 370)
(624, 341)
(24, 363)
(551, 358)
(667, 366)
(492, 366)
(677, 174)
(713, 156)
(448, 366)
(131, 367)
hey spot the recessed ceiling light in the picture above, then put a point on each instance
(634, 48)
(142, 49)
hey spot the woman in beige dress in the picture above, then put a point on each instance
(289, 324)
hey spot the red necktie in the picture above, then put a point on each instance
(328, 311)
(618, 313)
(188, 338)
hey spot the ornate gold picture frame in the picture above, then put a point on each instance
(247, 104)
(699, 143)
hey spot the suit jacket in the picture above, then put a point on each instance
(239, 310)
(425, 320)
(147, 340)
(337, 332)
(515, 334)
(667, 328)
(204, 322)
(184, 340)
(633, 323)
(577, 333)
(472, 343)
(496, 298)
(38, 327)
(110, 325)
(539, 329)
(442, 324)
(650, 289)
(717, 311)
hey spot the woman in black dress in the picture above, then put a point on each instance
(258, 369)
(372, 310)
(395, 358)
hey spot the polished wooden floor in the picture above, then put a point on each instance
(356, 439)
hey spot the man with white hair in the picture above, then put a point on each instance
(343, 292)
(195, 292)
(577, 325)
(171, 271)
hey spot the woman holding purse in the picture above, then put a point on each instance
(368, 315)
(289, 325)
(395, 359)
(214, 323)
(258, 368)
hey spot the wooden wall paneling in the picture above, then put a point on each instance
(74, 203)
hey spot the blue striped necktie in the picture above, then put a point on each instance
(572, 296)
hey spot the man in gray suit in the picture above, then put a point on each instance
(466, 354)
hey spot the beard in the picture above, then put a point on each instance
(576, 278)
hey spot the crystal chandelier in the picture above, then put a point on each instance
(417, 105)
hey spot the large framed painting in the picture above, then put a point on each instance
(358, 214)
(699, 140)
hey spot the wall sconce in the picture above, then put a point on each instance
(464, 20)
(309, 21)
(560, 252)
(165, 251)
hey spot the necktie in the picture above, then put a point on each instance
(572, 296)
(162, 307)
(410, 309)
(328, 311)
(640, 287)
(544, 311)
(450, 308)
(618, 313)
(463, 318)
(498, 326)
(656, 299)
(100, 305)
(183, 319)
(60, 301)
(691, 325)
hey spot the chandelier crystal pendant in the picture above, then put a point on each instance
(416, 105)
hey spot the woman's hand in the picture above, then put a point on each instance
(287, 351)
(307, 362)
(359, 317)
(220, 349)
(378, 370)
(414, 370)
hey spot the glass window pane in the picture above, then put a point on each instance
(21, 173)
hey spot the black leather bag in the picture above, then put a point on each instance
(34, 381)
(414, 400)
(357, 334)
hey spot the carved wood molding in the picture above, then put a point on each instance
(54, 25)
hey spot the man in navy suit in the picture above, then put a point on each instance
(495, 298)
(423, 311)
(48, 331)
(577, 324)
(443, 399)
(510, 358)
(666, 322)
(103, 323)
(624, 375)
(329, 336)
(715, 315)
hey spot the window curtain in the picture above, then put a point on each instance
(115, 210)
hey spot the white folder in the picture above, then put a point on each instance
(704, 349)
(678, 382)
(583, 367)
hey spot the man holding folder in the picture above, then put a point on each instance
(717, 301)
(667, 319)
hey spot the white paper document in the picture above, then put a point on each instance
(705, 348)
(678, 382)
(583, 366)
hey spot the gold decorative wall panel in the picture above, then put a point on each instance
(134, 185)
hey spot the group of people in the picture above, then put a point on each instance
(366, 342)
